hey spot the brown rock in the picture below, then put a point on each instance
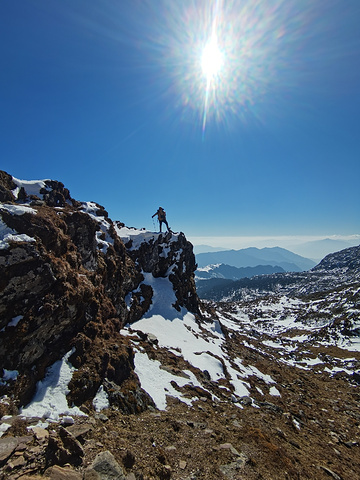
(64, 448)
(91, 474)
(41, 434)
(130, 476)
(228, 446)
(59, 473)
(7, 446)
(19, 461)
(79, 430)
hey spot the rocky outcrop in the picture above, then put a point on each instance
(169, 256)
(64, 276)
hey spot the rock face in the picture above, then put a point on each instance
(172, 258)
(64, 276)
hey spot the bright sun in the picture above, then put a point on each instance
(212, 59)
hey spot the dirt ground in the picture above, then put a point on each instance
(310, 432)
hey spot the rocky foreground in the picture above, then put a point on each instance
(158, 385)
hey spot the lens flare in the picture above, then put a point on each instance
(220, 56)
(225, 60)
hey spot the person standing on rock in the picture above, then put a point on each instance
(161, 214)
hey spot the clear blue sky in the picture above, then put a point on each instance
(110, 98)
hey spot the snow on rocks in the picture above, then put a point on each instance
(202, 345)
(157, 382)
(290, 331)
(8, 234)
(31, 187)
(50, 398)
(299, 332)
(103, 237)
(139, 236)
(101, 400)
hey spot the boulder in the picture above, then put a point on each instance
(104, 467)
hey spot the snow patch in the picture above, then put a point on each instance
(103, 238)
(101, 400)
(50, 398)
(140, 236)
(8, 375)
(31, 187)
(157, 382)
(17, 209)
(9, 235)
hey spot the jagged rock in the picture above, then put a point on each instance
(228, 446)
(7, 446)
(41, 434)
(178, 263)
(104, 467)
(64, 448)
(231, 470)
(6, 186)
(130, 398)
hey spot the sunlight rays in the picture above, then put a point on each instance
(225, 60)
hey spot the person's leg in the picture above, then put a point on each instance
(160, 223)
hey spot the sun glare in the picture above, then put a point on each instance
(212, 59)
(224, 57)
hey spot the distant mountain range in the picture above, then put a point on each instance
(313, 249)
(234, 273)
(253, 257)
(318, 249)
(206, 249)
(335, 270)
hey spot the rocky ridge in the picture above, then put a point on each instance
(65, 278)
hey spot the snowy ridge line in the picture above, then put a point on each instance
(31, 187)
(138, 236)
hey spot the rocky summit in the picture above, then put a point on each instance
(112, 368)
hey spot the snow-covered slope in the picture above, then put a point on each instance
(292, 332)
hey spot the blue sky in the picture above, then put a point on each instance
(109, 97)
